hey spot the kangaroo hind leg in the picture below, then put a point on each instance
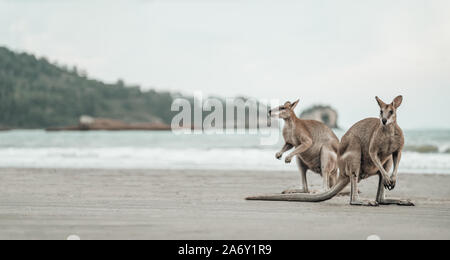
(303, 170)
(381, 199)
(355, 200)
(350, 165)
(329, 165)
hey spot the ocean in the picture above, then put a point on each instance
(427, 151)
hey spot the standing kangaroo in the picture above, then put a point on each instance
(316, 146)
(369, 148)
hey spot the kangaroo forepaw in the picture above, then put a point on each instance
(278, 156)
(388, 184)
(393, 183)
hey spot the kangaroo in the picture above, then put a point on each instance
(371, 147)
(315, 146)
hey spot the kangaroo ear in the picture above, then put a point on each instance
(295, 104)
(380, 102)
(397, 101)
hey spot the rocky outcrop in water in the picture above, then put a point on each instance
(324, 114)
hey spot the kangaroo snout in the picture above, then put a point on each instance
(384, 120)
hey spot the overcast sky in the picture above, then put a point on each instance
(341, 53)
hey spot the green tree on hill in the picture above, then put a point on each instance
(37, 94)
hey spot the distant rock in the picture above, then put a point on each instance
(324, 114)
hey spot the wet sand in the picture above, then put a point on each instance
(162, 204)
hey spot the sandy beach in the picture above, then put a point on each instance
(152, 204)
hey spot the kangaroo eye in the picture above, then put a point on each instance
(381, 112)
(391, 112)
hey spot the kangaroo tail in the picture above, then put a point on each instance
(340, 185)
